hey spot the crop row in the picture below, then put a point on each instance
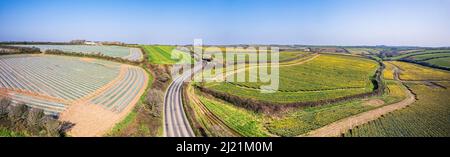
(326, 77)
(416, 53)
(124, 91)
(135, 55)
(439, 59)
(67, 79)
(166, 55)
(53, 82)
(428, 116)
(414, 72)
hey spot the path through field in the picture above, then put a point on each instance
(343, 125)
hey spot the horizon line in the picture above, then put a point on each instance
(237, 44)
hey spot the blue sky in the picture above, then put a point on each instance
(322, 22)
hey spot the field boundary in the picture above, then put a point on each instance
(295, 91)
(425, 64)
(406, 58)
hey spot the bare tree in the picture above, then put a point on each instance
(154, 100)
(34, 118)
(18, 113)
(51, 126)
(4, 105)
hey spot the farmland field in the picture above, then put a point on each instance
(291, 55)
(435, 58)
(363, 51)
(298, 121)
(133, 54)
(166, 55)
(243, 121)
(284, 56)
(414, 72)
(54, 83)
(444, 62)
(427, 56)
(416, 53)
(345, 75)
(346, 70)
(428, 116)
(440, 58)
(388, 72)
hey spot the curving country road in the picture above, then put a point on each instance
(176, 123)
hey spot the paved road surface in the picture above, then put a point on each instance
(176, 123)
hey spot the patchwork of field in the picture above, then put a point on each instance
(342, 70)
(414, 72)
(291, 55)
(53, 83)
(429, 56)
(166, 55)
(363, 51)
(417, 53)
(444, 62)
(427, 117)
(435, 58)
(133, 54)
(299, 121)
(245, 122)
(255, 56)
(344, 75)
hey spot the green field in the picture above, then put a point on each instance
(339, 72)
(166, 55)
(414, 72)
(244, 122)
(419, 53)
(344, 75)
(363, 51)
(428, 56)
(288, 55)
(444, 62)
(298, 121)
(253, 56)
(428, 116)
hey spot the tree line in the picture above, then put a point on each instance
(8, 50)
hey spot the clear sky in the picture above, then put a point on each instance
(323, 22)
